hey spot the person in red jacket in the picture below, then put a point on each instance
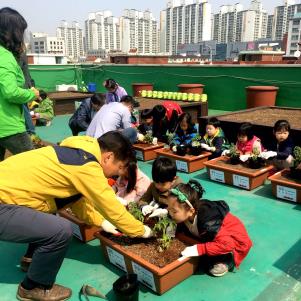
(221, 235)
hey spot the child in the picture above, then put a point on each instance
(223, 237)
(164, 171)
(115, 92)
(81, 119)
(132, 184)
(247, 142)
(44, 112)
(281, 147)
(214, 139)
(146, 124)
(185, 131)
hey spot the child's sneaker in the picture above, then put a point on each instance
(219, 269)
(48, 123)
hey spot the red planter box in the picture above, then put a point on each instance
(146, 152)
(237, 175)
(81, 230)
(158, 279)
(187, 163)
(284, 187)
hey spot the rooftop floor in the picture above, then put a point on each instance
(271, 271)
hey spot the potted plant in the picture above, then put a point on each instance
(294, 172)
(233, 154)
(255, 161)
(196, 148)
(169, 136)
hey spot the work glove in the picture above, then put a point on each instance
(122, 201)
(225, 152)
(155, 141)
(190, 251)
(159, 213)
(148, 232)
(140, 137)
(205, 146)
(108, 227)
(174, 148)
(244, 158)
(147, 209)
(31, 113)
(268, 154)
(211, 148)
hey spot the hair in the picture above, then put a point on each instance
(114, 141)
(194, 192)
(132, 175)
(246, 129)
(146, 113)
(12, 27)
(110, 84)
(214, 122)
(98, 99)
(282, 125)
(128, 100)
(43, 94)
(164, 170)
(159, 112)
(187, 118)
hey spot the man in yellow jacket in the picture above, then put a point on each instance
(38, 182)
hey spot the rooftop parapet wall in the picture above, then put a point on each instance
(225, 85)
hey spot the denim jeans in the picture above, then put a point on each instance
(16, 144)
(131, 134)
(30, 129)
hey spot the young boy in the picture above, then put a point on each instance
(164, 174)
(146, 124)
(81, 119)
(44, 112)
(214, 140)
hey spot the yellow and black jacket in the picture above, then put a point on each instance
(43, 179)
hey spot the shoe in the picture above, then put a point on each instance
(219, 269)
(56, 293)
(25, 263)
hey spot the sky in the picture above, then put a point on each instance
(45, 15)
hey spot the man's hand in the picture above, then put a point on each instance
(159, 213)
(108, 227)
(148, 232)
(190, 251)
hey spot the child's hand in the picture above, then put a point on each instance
(147, 209)
(190, 251)
(159, 213)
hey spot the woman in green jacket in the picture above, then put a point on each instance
(13, 134)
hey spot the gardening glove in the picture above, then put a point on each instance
(108, 227)
(174, 148)
(147, 209)
(211, 149)
(140, 137)
(190, 251)
(268, 154)
(244, 158)
(205, 146)
(171, 230)
(148, 232)
(159, 212)
(225, 152)
(122, 201)
(155, 141)
(31, 113)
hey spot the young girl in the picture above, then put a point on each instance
(185, 131)
(223, 237)
(132, 184)
(247, 142)
(214, 140)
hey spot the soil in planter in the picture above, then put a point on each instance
(266, 117)
(237, 167)
(148, 249)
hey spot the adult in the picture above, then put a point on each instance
(74, 172)
(81, 119)
(114, 116)
(115, 92)
(13, 135)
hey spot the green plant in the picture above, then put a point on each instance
(170, 136)
(196, 140)
(148, 138)
(297, 156)
(233, 152)
(255, 154)
(135, 211)
(161, 231)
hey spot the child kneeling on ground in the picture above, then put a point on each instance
(223, 237)
(44, 112)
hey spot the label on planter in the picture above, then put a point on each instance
(144, 276)
(241, 181)
(286, 193)
(116, 258)
(76, 231)
(182, 165)
(139, 155)
(217, 175)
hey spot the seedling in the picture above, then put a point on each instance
(196, 141)
(297, 156)
(135, 211)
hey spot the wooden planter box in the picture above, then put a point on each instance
(187, 163)
(146, 152)
(157, 279)
(286, 188)
(220, 170)
(81, 230)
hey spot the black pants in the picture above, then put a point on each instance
(50, 236)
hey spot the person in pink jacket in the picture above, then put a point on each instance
(132, 184)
